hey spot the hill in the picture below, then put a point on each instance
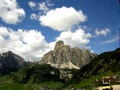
(105, 64)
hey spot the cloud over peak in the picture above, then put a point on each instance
(62, 19)
(31, 44)
(75, 39)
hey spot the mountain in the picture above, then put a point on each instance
(44, 75)
(107, 61)
(10, 62)
(64, 57)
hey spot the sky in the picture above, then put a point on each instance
(30, 28)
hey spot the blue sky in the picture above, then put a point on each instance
(30, 28)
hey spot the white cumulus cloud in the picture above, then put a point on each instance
(34, 16)
(30, 44)
(49, 3)
(75, 39)
(11, 13)
(103, 32)
(43, 7)
(62, 19)
(32, 4)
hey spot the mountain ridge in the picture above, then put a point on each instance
(36, 74)
(10, 62)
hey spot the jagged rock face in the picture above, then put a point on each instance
(10, 62)
(65, 57)
(59, 44)
(81, 57)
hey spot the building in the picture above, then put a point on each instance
(111, 79)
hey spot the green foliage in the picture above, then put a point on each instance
(37, 74)
(6, 83)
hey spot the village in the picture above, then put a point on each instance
(108, 83)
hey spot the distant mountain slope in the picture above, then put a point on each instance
(64, 57)
(102, 63)
(10, 62)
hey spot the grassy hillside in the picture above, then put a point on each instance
(6, 83)
(32, 77)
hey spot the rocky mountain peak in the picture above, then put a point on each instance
(9, 53)
(65, 57)
(59, 44)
